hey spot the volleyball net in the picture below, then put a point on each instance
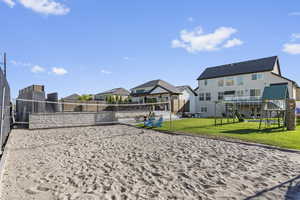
(54, 114)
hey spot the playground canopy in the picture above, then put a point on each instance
(274, 97)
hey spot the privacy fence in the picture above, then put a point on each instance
(5, 111)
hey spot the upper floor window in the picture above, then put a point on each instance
(220, 95)
(229, 81)
(205, 82)
(208, 97)
(201, 96)
(240, 80)
(221, 82)
(256, 76)
(240, 93)
(140, 91)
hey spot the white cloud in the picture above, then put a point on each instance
(105, 71)
(291, 48)
(59, 71)
(47, 7)
(233, 42)
(294, 14)
(14, 62)
(10, 3)
(196, 40)
(295, 36)
(190, 19)
(37, 69)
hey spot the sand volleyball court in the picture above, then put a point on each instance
(121, 162)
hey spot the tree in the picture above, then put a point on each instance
(120, 99)
(85, 97)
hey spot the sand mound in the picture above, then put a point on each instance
(120, 162)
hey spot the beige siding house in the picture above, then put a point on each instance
(242, 81)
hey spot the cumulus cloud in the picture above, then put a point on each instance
(291, 48)
(37, 69)
(46, 7)
(59, 71)
(196, 41)
(105, 71)
(233, 42)
(10, 3)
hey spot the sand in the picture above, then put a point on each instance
(121, 162)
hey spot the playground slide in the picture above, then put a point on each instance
(239, 116)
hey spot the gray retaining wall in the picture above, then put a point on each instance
(65, 119)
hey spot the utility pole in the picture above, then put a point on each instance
(4, 63)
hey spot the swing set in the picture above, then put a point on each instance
(269, 110)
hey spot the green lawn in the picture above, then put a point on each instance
(247, 131)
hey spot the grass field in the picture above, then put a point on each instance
(247, 131)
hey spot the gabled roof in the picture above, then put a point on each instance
(116, 91)
(186, 87)
(286, 79)
(276, 92)
(157, 83)
(250, 66)
(72, 97)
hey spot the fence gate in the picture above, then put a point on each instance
(5, 110)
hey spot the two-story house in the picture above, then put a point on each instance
(116, 92)
(242, 81)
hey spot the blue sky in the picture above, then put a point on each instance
(87, 46)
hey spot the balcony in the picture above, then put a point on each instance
(243, 98)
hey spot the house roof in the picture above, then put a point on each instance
(286, 79)
(276, 92)
(157, 83)
(186, 87)
(115, 91)
(250, 66)
(72, 97)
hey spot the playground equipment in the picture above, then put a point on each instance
(274, 106)
(274, 109)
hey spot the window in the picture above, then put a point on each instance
(221, 83)
(205, 82)
(203, 109)
(140, 91)
(208, 97)
(240, 93)
(255, 92)
(220, 95)
(240, 80)
(229, 82)
(201, 96)
(257, 76)
(232, 93)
